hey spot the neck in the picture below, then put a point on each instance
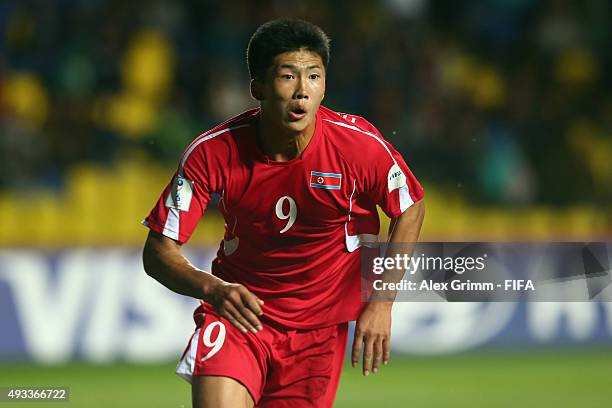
(281, 144)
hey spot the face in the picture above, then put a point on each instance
(293, 89)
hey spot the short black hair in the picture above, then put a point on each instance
(284, 35)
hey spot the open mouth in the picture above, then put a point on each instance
(297, 113)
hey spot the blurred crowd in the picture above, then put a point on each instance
(507, 101)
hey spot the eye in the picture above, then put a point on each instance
(287, 76)
(315, 76)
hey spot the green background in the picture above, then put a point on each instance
(551, 378)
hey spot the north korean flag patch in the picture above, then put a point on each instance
(328, 181)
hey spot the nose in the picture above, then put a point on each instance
(300, 89)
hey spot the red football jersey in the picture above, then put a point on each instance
(292, 229)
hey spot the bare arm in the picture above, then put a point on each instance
(373, 328)
(163, 261)
(407, 227)
(403, 235)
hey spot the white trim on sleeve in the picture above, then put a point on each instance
(172, 224)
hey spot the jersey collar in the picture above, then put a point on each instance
(312, 145)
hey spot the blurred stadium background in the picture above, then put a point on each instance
(502, 108)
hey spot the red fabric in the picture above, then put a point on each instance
(279, 367)
(286, 240)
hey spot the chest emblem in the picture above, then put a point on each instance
(329, 181)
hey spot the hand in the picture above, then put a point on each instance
(373, 330)
(238, 305)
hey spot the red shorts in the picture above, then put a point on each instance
(279, 367)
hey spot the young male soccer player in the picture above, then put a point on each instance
(299, 185)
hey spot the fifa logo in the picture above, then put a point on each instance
(179, 187)
(396, 174)
(180, 195)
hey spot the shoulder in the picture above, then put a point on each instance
(352, 122)
(356, 138)
(218, 142)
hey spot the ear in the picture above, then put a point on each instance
(257, 89)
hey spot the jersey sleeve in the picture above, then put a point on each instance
(183, 201)
(387, 179)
